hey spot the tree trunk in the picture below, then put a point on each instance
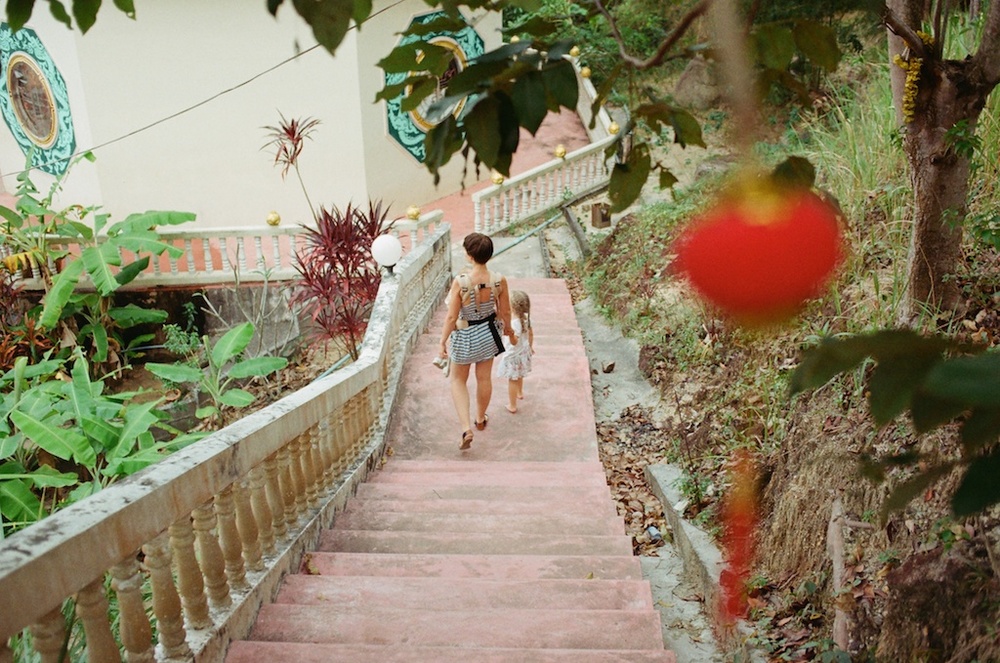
(949, 92)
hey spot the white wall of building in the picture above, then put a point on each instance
(175, 67)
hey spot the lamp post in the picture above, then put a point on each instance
(386, 250)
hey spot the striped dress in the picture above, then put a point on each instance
(477, 342)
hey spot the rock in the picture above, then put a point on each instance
(697, 87)
(607, 368)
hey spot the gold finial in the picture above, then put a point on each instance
(497, 178)
(273, 218)
(514, 39)
(560, 151)
(585, 72)
(412, 212)
(613, 128)
(575, 51)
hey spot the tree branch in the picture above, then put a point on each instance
(904, 32)
(661, 52)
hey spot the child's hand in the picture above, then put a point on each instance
(513, 338)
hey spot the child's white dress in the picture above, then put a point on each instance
(515, 363)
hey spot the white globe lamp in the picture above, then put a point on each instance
(387, 251)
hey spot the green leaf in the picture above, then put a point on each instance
(440, 143)
(132, 315)
(482, 130)
(272, 6)
(627, 179)
(61, 442)
(439, 24)
(138, 420)
(17, 502)
(667, 179)
(236, 398)
(981, 428)
(129, 272)
(45, 477)
(362, 9)
(33, 371)
(175, 372)
(836, 355)
(100, 336)
(258, 366)
(85, 12)
(101, 431)
(906, 491)
(206, 411)
(149, 220)
(561, 85)
(426, 87)
(128, 7)
(417, 56)
(232, 343)
(98, 260)
(63, 285)
(818, 43)
(528, 95)
(980, 487)
(775, 46)
(893, 383)
(18, 13)
(81, 389)
(929, 412)
(59, 12)
(687, 130)
(974, 381)
(328, 19)
(795, 172)
(536, 26)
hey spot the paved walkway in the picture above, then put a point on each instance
(511, 551)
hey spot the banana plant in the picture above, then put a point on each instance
(62, 438)
(224, 366)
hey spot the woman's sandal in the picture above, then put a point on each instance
(466, 440)
(481, 425)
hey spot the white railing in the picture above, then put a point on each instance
(211, 529)
(217, 255)
(544, 188)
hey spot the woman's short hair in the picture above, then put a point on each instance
(479, 247)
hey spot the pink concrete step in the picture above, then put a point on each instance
(503, 567)
(595, 495)
(556, 629)
(475, 468)
(565, 505)
(363, 593)
(572, 477)
(546, 524)
(558, 543)
(270, 652)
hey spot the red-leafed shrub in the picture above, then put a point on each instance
(339, 277)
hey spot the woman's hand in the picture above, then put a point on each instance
(443, 350)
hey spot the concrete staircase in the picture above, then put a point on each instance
(511, 551)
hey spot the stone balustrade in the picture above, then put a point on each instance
(202, 538)
(214, 256)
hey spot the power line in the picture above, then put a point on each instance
(197, 105)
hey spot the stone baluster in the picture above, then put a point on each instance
(224, 254)
(340, 441)
(276, 249)
(477, 223)
(287, 486)
(262, 509)
(206, 249)
(213, 566)
(166, 602)
(259, 248)
(247, 527)
(92, 609)
(133, 625)
(312, 466)
(190, 581)
(298, 475)
(49, 634)
(275, 496)
(229, 539)
(326, 450)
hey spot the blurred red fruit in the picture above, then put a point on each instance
(761, 251)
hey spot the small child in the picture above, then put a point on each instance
(515, 363)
